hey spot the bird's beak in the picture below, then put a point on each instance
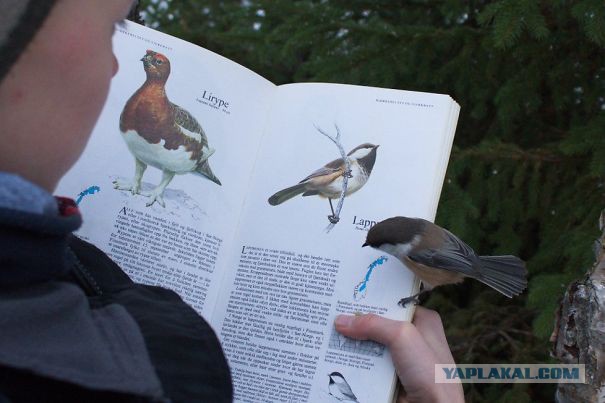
(365, 244)
(146, 59)
(375, 147)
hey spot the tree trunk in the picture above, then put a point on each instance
(579, 333)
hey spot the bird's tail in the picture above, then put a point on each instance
(286, 194)
(506, 274)
(204, 170)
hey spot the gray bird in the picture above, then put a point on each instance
(439, 257)
(326, 182)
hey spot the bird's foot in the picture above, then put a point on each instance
(134, 187)
(404, 301)
(348, 174)
(333, 219)
(154, 197)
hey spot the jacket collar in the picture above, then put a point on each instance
(17, 193)
(33, 247)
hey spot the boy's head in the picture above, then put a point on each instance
(54, 81)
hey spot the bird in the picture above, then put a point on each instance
(161, 134)
(439, 257)
(340, 389)
(326, 182)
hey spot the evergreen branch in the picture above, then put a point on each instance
(411, 32)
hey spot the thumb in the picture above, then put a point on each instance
(377, 328)
(414, 360)
(369, 326)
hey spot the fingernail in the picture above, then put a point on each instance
(344, 320)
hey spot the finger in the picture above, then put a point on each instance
(402, 338)
(374, 327)
(414, 359)
(429, 325)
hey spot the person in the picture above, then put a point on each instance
(74, 327)
(415, 348)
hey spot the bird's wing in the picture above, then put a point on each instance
(331, 168)
(345, 389)
(186, 121)
(453, 255)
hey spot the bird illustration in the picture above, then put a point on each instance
(439, 257)
(340, 389)
(161, 134)
(326, 182)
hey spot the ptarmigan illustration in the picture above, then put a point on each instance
(161, 134)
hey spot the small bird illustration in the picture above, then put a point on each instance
(161, 134)
(340, 389)
(439, 257)
(326, 182)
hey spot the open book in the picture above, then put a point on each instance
(239, 208)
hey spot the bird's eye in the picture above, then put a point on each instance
(158, 61)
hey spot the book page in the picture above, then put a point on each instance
(179, 238)
(291, 276)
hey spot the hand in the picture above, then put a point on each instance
(415, 347)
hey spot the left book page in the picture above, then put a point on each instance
(164, 229)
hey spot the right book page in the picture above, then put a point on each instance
(293, 271)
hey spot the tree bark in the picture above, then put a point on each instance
(579, 333)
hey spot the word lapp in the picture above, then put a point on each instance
(363, 223)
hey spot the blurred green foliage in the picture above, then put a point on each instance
(527, 171)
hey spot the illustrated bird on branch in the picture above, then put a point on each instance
(161, 134)
(335, 180)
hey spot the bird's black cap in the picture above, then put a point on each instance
(394, 230)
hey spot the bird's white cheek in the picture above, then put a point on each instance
(400, 250)
(361, 153)
(388, 248)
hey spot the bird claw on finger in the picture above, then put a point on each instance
(404, 301)
(348, 174)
